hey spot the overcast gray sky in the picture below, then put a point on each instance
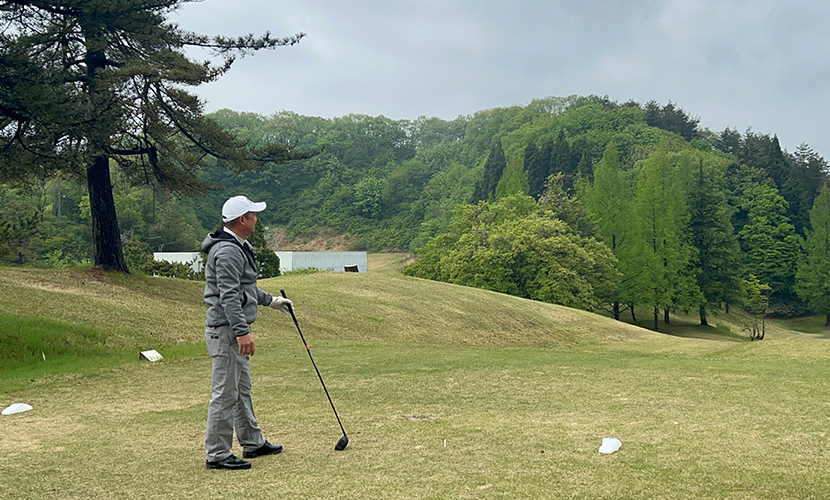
(763, 64)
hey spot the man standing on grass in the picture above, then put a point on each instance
(232, 296)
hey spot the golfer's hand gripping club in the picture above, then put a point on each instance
(281, 304)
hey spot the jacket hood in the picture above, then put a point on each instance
(212, 239)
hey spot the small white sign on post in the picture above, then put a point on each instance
(152, 356)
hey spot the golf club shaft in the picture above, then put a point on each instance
(291, 310)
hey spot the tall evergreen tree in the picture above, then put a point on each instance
(581, 164)
(671, 118)
(666, 257)
(729, 141)
(813, 276)
(536, 166)
(585, 167)
(806, 177)
(764, 152)
(560, 161)
(608, 201)
(493, 169)
(718, 252)
(85, 82)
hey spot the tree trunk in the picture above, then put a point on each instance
(827, 323)
(106, 238)
(656, 315)
(633, 316)
(617, 311)
(727, 308)
(703, 321)
(666, 316)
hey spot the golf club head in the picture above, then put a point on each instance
(341, 445)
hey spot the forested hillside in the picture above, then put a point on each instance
(635, 202)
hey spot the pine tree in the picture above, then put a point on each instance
(813, 276)
(718, 252)
(560, 161)
(581, 158)
(87, 82)
(803, 184)
(536, 166)
(493, 169)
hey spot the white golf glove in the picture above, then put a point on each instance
(281, 304)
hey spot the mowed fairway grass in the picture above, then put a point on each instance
(445, 392)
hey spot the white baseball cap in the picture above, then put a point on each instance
(238, 206)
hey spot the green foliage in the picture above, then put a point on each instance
(662, 244)
(813, 275)
(718, 262)
(513, 181)
(671, 118)
(560, 161)
(536, 167)
(138, 255)
(493, 170)
(267, 261)
(165, 269)
(770, 244)
(512, 246)
(101, 81)
(608, 202)
(368, 193)
(756, 302)
(566, 207)
(384, 184)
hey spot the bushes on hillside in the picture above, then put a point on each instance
(514, 246)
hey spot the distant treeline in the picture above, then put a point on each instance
(395, 185)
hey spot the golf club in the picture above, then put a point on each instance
(344, 441)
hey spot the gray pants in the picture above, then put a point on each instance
(230, 402)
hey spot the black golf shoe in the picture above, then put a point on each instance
(230, 462)
(266, 449)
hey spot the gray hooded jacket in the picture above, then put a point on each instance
(230, 283)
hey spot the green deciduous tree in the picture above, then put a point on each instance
(512, 246)
(87, 82)
(771, 246)
(756, 302)
(813, 276)
(513, 181)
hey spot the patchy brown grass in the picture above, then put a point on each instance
(389, 262)
(445, 391)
